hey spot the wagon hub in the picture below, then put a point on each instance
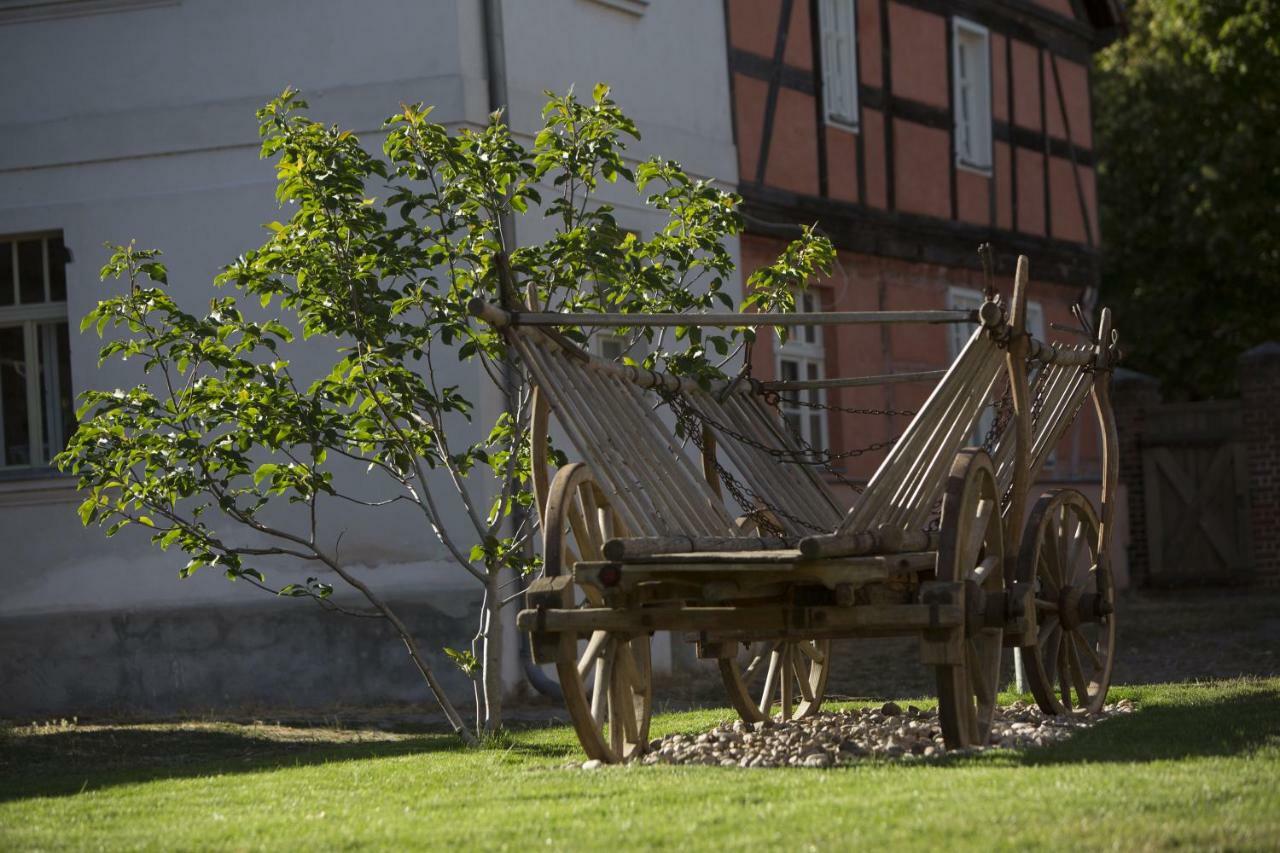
(1069, 607)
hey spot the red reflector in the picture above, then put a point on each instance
(610, 575)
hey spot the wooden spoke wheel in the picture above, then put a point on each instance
(607, 677)
(971, 550)
(1069, 667)
(787, 675)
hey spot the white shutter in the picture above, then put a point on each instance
(971, 71)
(839, 62)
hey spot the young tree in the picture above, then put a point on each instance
(228, 453)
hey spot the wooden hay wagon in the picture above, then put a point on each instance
(638, 539)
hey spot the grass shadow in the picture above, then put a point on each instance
(77, 759)
(1242, 722)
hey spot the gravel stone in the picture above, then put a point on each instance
(831, 739)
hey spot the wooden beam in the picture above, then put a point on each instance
(854, 381)
(771, 98)
(501, 318)
(765, 620)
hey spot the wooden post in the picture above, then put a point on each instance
(1016, 358)
(1110, 442)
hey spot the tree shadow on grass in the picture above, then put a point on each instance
(78, 759)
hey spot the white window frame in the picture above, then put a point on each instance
(804, 348)
(29, 318)
(971, 98)
(837, 23)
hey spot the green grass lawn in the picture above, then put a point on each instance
(1196, 766)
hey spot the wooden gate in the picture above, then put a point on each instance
(1195, 482)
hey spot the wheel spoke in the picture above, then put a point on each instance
(1084, 645)
(589, 539)
(1074, 546)
(977, 533)
(622, 709)
(977, 676)
(983, 570)
(770, 681)
(631, 669)
(800, 669)
(814, 653)
(1064, 674)
(600, 690)
(754, 665)
(592, 515)
(1060, 537)
(1046, 604)
(1047, 626)
(1044, 571)
(1077, 676)
(1050, 645)
(598, 639)
(787, 684)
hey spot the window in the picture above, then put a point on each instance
(972, 75)
(611, 347)
(801, 358)
(36, 410)
(964, 299)
(839, 62)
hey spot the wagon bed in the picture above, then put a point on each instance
(637, 537)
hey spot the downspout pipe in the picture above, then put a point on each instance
(496, 71)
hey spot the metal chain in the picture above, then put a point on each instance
(773, 398)
(690, 421)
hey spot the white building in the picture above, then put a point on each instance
(134, 119)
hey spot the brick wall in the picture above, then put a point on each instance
(1259, 377)
(1137, 400)
(1133, 395)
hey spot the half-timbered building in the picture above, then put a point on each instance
(911, 131)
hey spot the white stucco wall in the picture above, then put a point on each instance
(139, 124)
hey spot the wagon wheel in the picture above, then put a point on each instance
(971, 550)
(1069, 667)
(606, 677)
(790, 675)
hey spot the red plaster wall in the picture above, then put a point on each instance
(973, 197)
(1030, 179)
(863, 283)
(1026, 85)
(873, 158)
(753, 25)
(1088, 178)
(793, 153)
(748, 99)
(999, 79)
(842, 164)
(921, 159)
(1052, 106)
(918, 48)
(1003, 177)
(1075, 88)
(869, 55)
(1068, 218)
(799, 49)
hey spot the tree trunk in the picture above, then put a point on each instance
(491, 673)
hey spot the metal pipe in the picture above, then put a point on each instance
(496, 70)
